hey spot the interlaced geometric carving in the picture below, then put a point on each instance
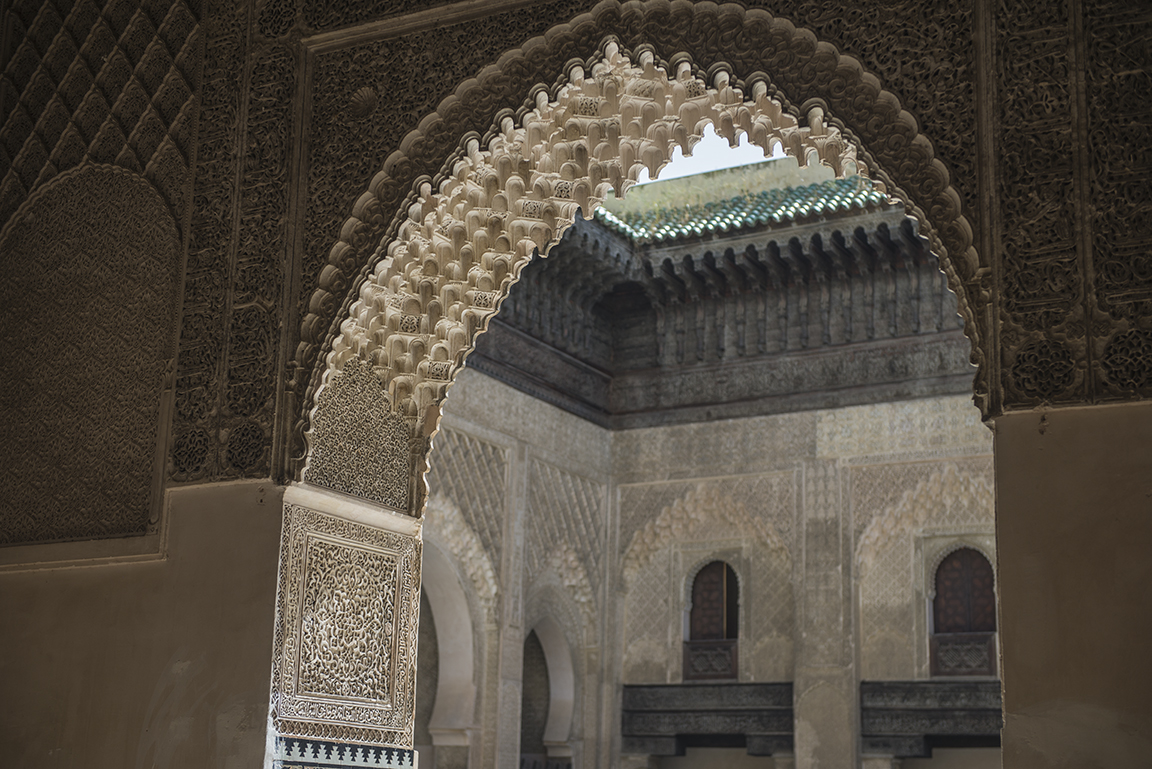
(1043, 369)
(87, 331)
(472, 473)
(964, 654)
(445, 524)
(646, 603)
(565, 570)
(641, 503)
(878, 488)
(751, 509)
(1128, 360)
(108, 82)
(773, 618)
(566, 511)
(949, 497)
(708, 511)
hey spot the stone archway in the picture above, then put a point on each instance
(797, 71)
(462, 242)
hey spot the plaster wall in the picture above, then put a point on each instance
(1074, 532)
(154, 664)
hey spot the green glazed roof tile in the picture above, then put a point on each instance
(757, 208)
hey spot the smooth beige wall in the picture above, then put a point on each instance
(157, 664)
(1074, 542)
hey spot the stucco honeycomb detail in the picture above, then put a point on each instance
(464, 242)
(818, 68)
(440, 281)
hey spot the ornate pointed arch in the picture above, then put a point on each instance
(424, 286)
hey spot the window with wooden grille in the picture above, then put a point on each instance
(713, 625)
(963, 640)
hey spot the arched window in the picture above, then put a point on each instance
(713, 624)
(963, 641)
(534, 698)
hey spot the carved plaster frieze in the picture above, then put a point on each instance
(344, 662)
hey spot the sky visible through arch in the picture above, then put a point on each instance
(711, 153)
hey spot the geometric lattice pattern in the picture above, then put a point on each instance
(108, 82)
(471, 473)
(934, 497)
(747, 509)
(564, 509)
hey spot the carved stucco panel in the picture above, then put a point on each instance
(565, 527)
(87, 333)
(445, 525)
(471, 473)
(359, 446)
(239, 255)
(1118, 122)
(344, 663)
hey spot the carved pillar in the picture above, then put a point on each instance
(344, 655)
(825, 687)
(511, 643)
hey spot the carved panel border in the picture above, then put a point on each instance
(344, 663)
